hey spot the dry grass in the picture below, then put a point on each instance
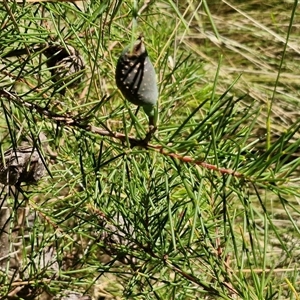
(251, 37)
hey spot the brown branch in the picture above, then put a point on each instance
(188, 159)
(81, 123)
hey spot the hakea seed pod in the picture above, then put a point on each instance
(135, 77)
(66, 65)
(21, 165)
(64, 62)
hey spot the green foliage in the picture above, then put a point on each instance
(207, 210)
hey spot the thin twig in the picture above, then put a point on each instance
(78, 122)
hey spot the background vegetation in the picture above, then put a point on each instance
(209, 209)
